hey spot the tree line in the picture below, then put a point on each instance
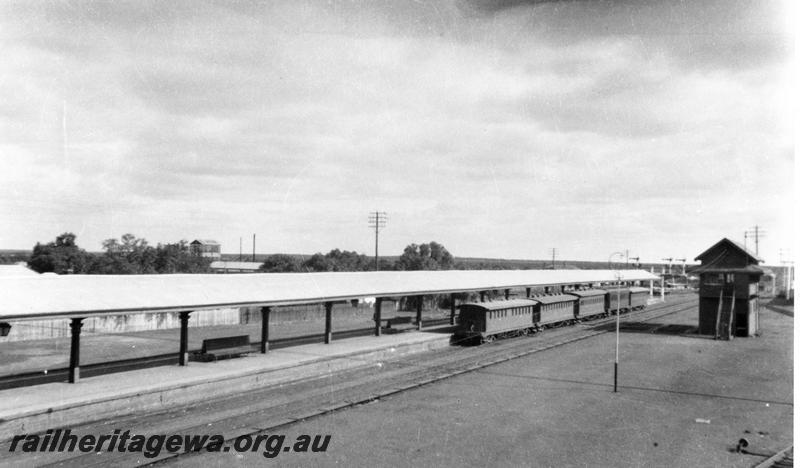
(430, 256)
(128, 255)
(132, 255)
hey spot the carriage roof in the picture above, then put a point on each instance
(499, 305)
(588, 292)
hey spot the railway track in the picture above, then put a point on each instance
(268, 410)
(782, 459)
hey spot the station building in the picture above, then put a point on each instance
(729, 290)
(206, 248)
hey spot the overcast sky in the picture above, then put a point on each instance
(499, 129)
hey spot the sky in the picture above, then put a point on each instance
(496, 128)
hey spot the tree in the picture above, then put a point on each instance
(317, 262)
(385, 265)
(281, 263)
(129, 255)
(337, 260)
(178, 258)
(431, 256)
(344, 260)
(62, 256)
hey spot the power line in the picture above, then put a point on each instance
(755, 233)
(553, 251)
(377, 221)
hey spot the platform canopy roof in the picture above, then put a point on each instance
(18, 269)
(92, 295)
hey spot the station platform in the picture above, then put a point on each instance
(40, 407)
(18, 357)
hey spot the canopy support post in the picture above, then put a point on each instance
(420, 300)
(377, 316)
(265, 329)
(328, 322)
(75, 350)
(183, 353)
(452, 309)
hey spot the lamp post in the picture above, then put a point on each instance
(618, 277)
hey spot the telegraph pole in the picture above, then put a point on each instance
(377, 220)
(553, 252)
(756, 233)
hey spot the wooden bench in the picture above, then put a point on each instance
(229, 346)
(399, 323)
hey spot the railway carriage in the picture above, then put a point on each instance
(639, 297)
(590, 302)
(556, 309)
(623, 303)
(487, 320)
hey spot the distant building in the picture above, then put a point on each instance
(729, 277)
(767, 284)
(235, 267)
(206, 248)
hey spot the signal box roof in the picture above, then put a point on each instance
(724, 248)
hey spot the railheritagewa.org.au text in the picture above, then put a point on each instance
(151, 446)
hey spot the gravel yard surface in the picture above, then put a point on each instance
(684, 400)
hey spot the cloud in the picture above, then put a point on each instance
(467, 121)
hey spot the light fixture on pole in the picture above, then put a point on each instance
(618, 277)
